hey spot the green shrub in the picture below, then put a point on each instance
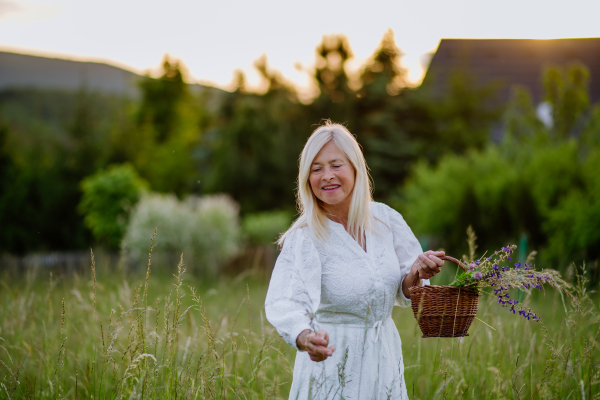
(573, 225)
(264, 228)
(540, 183)
(108, 197)
(206, 230)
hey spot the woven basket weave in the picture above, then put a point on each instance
(444, 311)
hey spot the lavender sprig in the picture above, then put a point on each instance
(500, 273)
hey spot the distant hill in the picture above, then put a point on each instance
(26, 71)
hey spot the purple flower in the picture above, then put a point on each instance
(518, 264)
(477, 275)
(472, 266)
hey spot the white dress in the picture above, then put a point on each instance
(350, 293)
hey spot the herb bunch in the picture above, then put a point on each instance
(499, 273)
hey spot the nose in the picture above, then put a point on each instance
(328, 174)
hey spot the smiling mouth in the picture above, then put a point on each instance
(331, 187)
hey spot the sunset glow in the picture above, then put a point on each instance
(213, 39)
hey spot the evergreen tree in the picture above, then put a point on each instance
(168, 128)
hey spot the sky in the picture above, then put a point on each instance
(215, 38)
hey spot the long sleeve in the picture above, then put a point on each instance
(295, 288)
(407, 248)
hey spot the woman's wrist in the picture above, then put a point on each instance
(407, 283)
(301, 339)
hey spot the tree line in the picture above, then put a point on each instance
(245, 144)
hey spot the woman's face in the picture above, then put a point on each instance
(332, 175)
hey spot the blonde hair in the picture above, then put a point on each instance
(312, 211)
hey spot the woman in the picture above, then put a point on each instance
(345, 262)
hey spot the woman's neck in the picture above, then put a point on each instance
(338, 212)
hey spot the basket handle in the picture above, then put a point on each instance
(448, 258)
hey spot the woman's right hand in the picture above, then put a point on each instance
(315, 343)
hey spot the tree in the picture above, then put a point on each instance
(336, 98)
(539, 183)
(249, 153)
(168, 128)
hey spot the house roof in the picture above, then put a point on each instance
(512, 61)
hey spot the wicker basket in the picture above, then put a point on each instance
(444, 311)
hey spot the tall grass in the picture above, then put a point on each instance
(109, 334)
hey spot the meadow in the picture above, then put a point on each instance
(112, 332)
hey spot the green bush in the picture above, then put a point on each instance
(573, 225)
(206, 230)
(108, 197)
(264, 228)
(540, 183)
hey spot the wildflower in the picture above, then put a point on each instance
(477, 275)
(472, 266)
(518, 264)
(495, 266)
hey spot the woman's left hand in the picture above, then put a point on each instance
(426, 265)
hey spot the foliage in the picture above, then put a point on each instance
(249, 152)
(51, 140)
(108, 197)
(538, 182)
(168, 126)
(115, 335)
(206, 230)
(574, 220)
(184, 139)
(265, 228)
